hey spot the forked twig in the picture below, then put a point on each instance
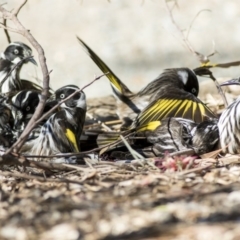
(202, 58)
(19, 28)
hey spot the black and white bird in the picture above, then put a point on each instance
(61, 132)
(23, 105)
(172, 94)
(205, 136)
(6, 123)
(11, 61)
(229, 124)
(179, 134)
(158, 138)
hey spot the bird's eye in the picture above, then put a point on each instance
(193, 90)
(62, 96)
(27, 108)
(16, 51)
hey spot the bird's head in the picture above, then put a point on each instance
(78, 100)
(18, 51)
(24, 105)
(184, 77)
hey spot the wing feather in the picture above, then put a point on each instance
(180, 104)
(116, 83)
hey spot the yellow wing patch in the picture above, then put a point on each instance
(209, 64)
(71, 137)
(164, 108)
(150, 126)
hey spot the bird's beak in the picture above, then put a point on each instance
(235, 81)
(32, 60)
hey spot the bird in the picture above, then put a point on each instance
(61, 132)
(11, 61)
(174, 103)
(205, 136)
(229, 124)
(172, 94)
(23, 105)
(157, 138)
(6, 123)
(179, 134)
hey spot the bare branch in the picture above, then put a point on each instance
(42, 179)
(8, 28)
(202, 58)
(195, 17)
(6, 31)
(170, 11)
(17, 10)
(42, 60)
(10, 159)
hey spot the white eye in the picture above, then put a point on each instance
(194, 90)
(27, 108)
(62, 96)
(16, 51)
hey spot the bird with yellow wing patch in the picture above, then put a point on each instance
(61, 133)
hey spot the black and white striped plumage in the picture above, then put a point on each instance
(23, 105)
(157, 138)
(179, 134)
(12, 56)
(229, 128)
(6, 123)
(229, 124)
(61, 133)
(172, 135)
(205, 136)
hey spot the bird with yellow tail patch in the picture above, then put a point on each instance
(61, 133)
(157, 138)
(175, 103)
(172, 94)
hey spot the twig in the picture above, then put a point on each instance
(6, 31)
(187, 44)
(42, 179)
(135, 154)
(114, 122)
(202, 58)
(195, 17)
(10, 159)
(198, 169)
(220, 91)
(17, 10)
(17, 65)
(8, 28)
(204, 71)
(189, 151)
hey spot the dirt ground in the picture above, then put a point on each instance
(117, 200)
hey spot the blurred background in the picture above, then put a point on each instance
(136, 38)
